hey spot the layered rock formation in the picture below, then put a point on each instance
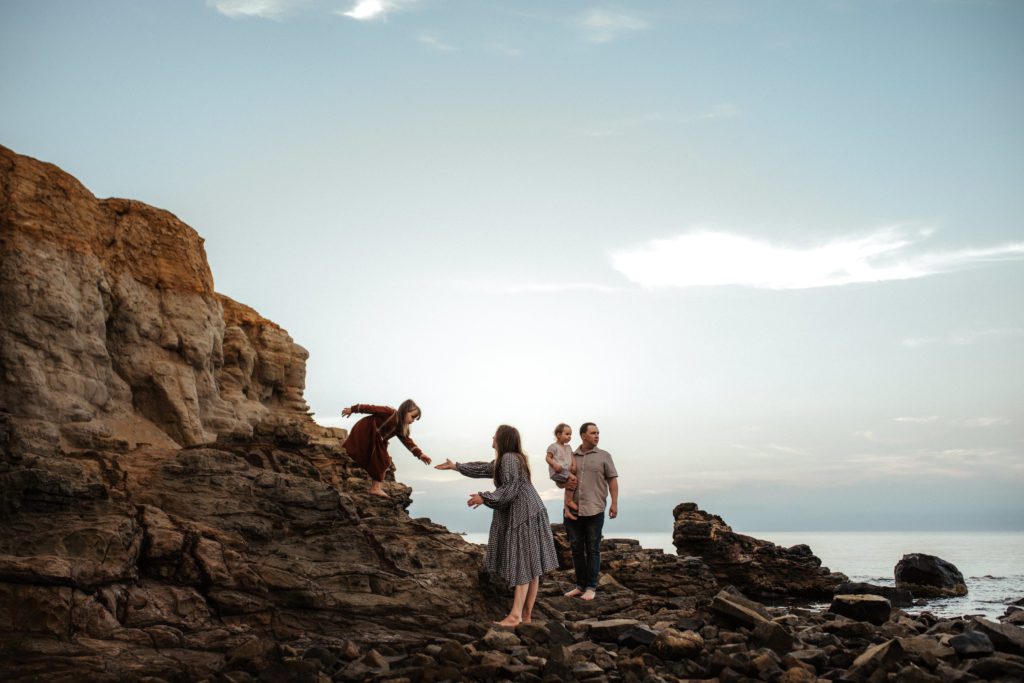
(758, 568)
(111, 332)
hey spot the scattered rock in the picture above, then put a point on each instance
(897, 597)
(972, 644)
(873, 609)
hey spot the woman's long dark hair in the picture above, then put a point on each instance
(508, 442)
(407, 406)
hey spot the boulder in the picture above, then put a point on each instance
(873, 609)
(886, 656)
(971, 644)
(897, 597)
(672, 644)
(929, 576)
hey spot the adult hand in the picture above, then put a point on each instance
(345, 412)
(475, 501)
(613, 511)
(446, 465)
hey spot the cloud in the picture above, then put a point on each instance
(707, 258)
(962, 338)
(725, 110)
(917, 419)
(604, 26)
(504, 49)
(987, 421)
(370, 10)
(263, 9)
(547, 287)
(434, 43)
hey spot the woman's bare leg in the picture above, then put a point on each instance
(515, 615)
(531, 597)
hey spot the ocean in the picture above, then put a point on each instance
(992, 562)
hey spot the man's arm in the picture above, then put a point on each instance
(613, 488)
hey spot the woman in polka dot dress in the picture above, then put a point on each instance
(520, 547)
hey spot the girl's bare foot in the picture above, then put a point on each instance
(509, 621)
(573, 593)
(567, 513)
(527, 618)
(379, 492)
(589, 594)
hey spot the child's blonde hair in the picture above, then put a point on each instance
(561, 426)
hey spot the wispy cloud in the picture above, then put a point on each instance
(705, 258)
(986, 421)
(605, 26)
(434, 43)
(724, 110)
(547, 287)
(915, 419)
(504, 49)
(371, 10)
(262, 9)
(963, 338)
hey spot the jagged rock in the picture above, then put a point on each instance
(998, 667)
(731, 607)
(929, 576)
(672, 644)
(972, 644)
(873, 609)
(885, 656)
(758, 568)
(1005, 637)
(797, 675)
(897, 597)
(609, 630)
(497, 639)
(772, 636)
(638, 635)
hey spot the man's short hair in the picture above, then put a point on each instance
(585, 426)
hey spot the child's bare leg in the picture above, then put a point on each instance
(570, 506)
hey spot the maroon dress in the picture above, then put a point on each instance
(367, 443)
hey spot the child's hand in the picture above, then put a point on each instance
(558, 468)
(345, 412)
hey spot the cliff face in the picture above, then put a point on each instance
(111, 329)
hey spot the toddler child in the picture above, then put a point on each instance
(562, 466)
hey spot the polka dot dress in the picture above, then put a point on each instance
(520, 546)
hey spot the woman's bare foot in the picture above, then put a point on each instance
(573, 593)
(589, 594)
(509, 621)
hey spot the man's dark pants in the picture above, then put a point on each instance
(585, 537)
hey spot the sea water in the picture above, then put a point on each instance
(992, 562)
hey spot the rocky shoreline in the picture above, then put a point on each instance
(169, 511)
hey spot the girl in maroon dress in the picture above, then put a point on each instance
(367, 443)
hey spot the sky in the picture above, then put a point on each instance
(773, 248)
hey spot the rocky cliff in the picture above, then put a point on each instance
(111, 331)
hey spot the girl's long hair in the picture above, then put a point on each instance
(407, 406)
(508, 442)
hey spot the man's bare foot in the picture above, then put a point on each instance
(509, 621)
(589, 594)
(573, 593)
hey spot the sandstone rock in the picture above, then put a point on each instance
(897, 597)
(758, 568)
(998, 667)
(638, 635)
(772, 636)
(673, 645)
(112, 334)
(498, 639)
(873, 609)
(929, 576)
(797, 675)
